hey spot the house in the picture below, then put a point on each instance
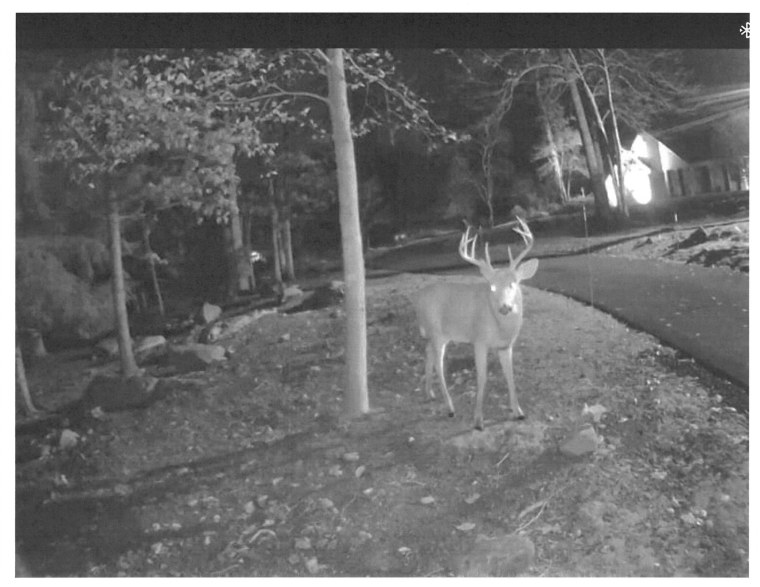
(708, 154)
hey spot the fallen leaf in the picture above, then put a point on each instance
(69, 439)
(472, 498)
(351, 457)
(404, 550)
(313, 566)
(98, 413)
(465, 527)
(335, 471)
(303, 543)
(326, 503)
(249, 507)
(427, 500)
(122, 489)
(596, 411)
(359, 471)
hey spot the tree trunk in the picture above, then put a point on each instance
(355, 394)
(276, 245)
(553, 155)
(23, 385)
(152, 267)
(30, 169)
(247, 225)
(128, 364)
(601, 203)
(287, 248)
(616, 138)
(240, 261)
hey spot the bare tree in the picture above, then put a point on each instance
(356, 396)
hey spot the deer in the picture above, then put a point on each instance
(487, 315)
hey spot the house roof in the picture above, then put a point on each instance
(689, 136)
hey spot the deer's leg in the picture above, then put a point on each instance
(505, 358)
(429, 366)
(481, 368)
(440, 352)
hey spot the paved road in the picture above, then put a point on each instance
(702, 311)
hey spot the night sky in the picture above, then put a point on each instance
(719, 66)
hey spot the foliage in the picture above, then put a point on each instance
(86, 258)
(568, 145)
(50, 298)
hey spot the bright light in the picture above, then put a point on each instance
(638, 185)
(611, 194)
(637, 181)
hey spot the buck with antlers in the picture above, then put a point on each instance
(487, 315)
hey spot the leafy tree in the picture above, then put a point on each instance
(630, 87)
(115, 129)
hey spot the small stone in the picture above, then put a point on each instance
(583, 442)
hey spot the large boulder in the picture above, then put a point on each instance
(195, 356)
(208, 313)
(114, 393)
(149, 348)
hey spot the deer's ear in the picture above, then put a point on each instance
(527, 270)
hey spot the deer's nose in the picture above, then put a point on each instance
(505, 309)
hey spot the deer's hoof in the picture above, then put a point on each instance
(479, 427)
(520, 416)
(451, 414)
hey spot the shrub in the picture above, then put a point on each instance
(57, 301)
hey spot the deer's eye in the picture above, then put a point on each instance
(493, 288)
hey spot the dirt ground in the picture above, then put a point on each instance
(247, 469)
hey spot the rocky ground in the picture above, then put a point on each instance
(628, 464)
(723, 245)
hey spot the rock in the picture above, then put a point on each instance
(498, 556)
(697, 237)
(195, 356)
(212, 332)
(108, 348)
(292, 291)
(326, 295)
(583, 442)
(208, 313)
(149, 347)
(192, 336)
(232, 326)
(293, 304)
(113, 393)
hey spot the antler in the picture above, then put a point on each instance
(467, 252)
(527, 236)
